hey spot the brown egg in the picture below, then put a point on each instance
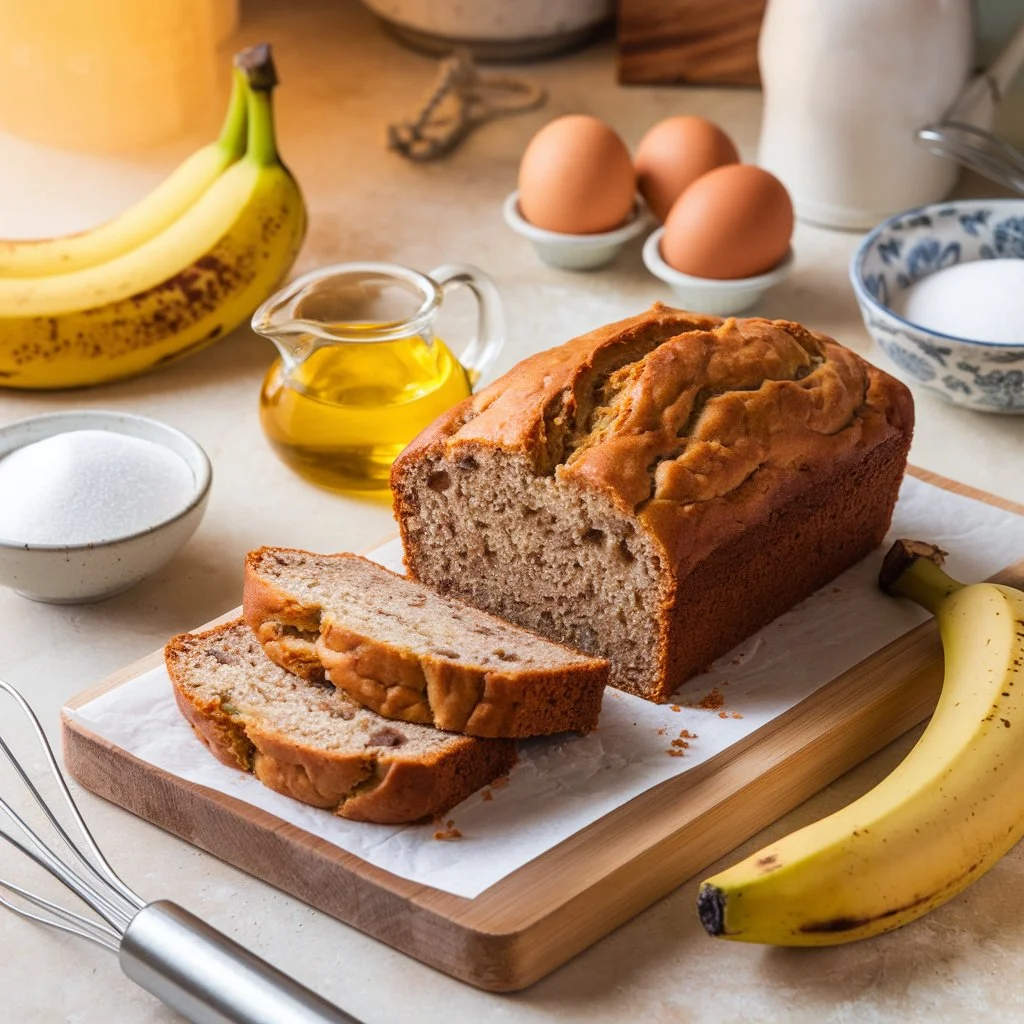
(576, 177)
(674, 154)
(735, 221)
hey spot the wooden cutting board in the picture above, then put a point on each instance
(543, 914)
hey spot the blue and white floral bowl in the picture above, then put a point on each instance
(986, 376)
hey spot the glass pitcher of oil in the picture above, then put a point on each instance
(361, 371)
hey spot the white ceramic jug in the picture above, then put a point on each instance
(846, 85)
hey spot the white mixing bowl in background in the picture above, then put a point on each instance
(494, 29)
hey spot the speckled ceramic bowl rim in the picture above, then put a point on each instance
(108, 419)
(857, 266)
(656, 264)
(515, 220)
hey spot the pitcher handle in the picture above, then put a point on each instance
(483, 349)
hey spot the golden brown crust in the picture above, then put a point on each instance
(287, 630)
(696, 425)
(372, 785)
(403, 685)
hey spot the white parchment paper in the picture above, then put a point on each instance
(561, 785)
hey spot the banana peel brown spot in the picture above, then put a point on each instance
(849, 924)
(170, 357)
(833, 925)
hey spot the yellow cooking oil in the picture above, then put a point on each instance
(344, 413)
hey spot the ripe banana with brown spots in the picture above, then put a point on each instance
(937, 823)
(176, 293)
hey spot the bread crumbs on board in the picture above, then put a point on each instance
(679, 746)
(448, 832)
(499, 782)
(488, 795)
(711, 701)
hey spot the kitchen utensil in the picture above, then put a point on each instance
(984, 376)
(575, 252)
(571, 895)
(362, 371)
(977, 149)
(717, 297)
(462, 100)
(847, 86)
(204, 975)
(77, 573)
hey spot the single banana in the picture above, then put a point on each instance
(937, 823)
(151, 215)
(178, 292)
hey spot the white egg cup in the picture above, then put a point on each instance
(576, 252)
(715, 296)
(79, 573)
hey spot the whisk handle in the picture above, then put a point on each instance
(210, 979)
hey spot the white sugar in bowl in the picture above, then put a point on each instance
(92, 502)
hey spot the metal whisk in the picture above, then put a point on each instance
(191, 967)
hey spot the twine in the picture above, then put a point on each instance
(461, 101)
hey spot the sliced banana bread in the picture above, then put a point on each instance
(658, 489)
(411, 655)
(313, 743)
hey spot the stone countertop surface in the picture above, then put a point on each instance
(343, 78)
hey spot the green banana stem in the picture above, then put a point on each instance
(262, 146)
(233, 134)
(914, 569)
(257, 66)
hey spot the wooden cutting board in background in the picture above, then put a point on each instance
(703, 42)
(557, 905)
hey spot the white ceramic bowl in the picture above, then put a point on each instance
(576, 252)
(718, 297)
(494, 29)
(75, 574)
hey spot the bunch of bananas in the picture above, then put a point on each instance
(937, 823)
(172, 274)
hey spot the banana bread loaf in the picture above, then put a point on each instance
(312, 743)
(657, 490)
(409, 654)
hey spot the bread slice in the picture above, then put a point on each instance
(409, 654)
(313, 743)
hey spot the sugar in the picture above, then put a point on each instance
(89, 486)
(982, 300)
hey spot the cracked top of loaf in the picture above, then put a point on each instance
(691, 423)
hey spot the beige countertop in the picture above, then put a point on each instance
(342, 80)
